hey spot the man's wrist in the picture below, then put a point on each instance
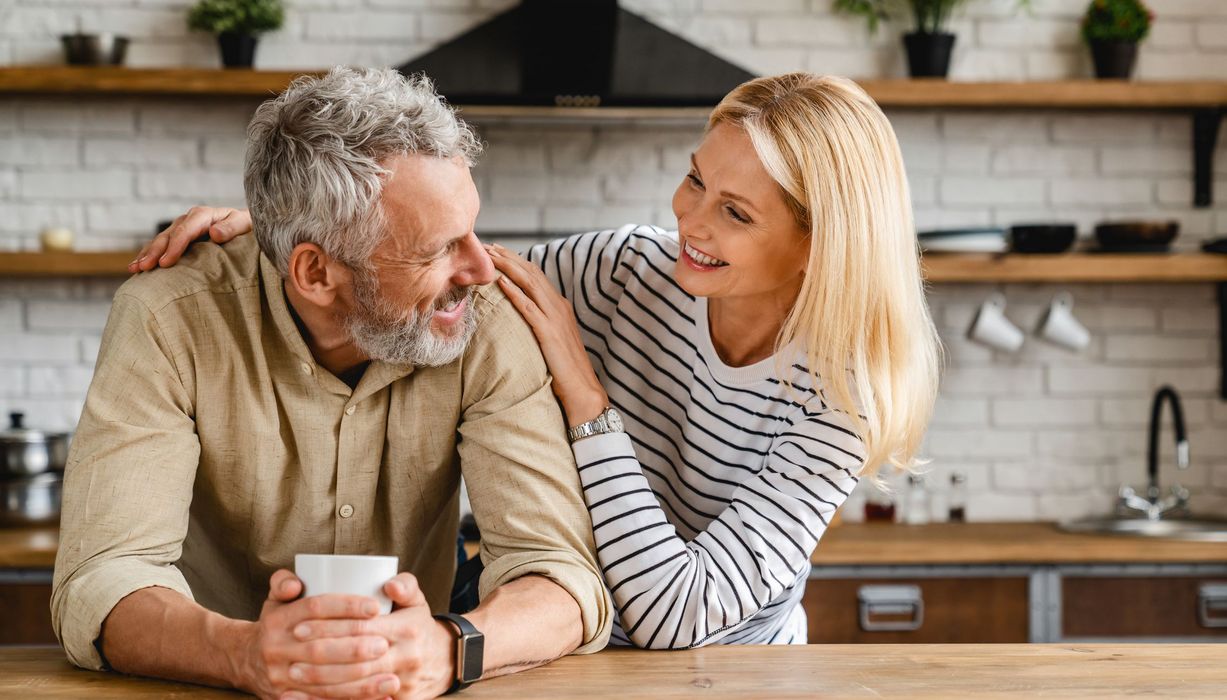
(236, 640)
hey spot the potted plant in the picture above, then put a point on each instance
(929, 46)
(1113, 29)
(237, 24)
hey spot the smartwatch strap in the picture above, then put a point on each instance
(469, 651)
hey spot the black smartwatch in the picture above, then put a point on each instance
(470, 645)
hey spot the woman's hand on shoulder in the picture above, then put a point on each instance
(552, 319)
(221, 224)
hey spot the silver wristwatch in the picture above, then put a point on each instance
(608, 422)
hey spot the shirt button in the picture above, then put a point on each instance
(350, 411)
(346, 510)
(306, 368)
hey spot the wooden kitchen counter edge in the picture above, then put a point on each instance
(866, 545)
(867, 670)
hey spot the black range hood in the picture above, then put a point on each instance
(575, 53)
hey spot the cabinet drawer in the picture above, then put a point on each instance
(921, 610)
(26, 617)
(1138, 606)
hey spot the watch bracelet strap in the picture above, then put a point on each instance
(596, 426)
(465, 627)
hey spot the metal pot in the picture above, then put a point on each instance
(32, 500)
(94, 49)
(30, 452)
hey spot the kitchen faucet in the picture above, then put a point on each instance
(1153, 506)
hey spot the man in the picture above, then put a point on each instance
(323, 394)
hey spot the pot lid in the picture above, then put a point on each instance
(18, 433)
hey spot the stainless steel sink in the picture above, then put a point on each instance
(1196, 529)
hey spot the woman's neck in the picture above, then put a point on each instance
(744, 330)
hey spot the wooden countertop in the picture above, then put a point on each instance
(851, 671)
(862, 545)
(1000, 543)
(28, 548)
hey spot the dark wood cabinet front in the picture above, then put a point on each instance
(950, 610)
(26, 613)
(1139, 606)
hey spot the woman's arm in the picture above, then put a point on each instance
(221, 225)
(673, 594)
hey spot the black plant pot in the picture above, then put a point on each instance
(928, 55)
(238, 50)
(1114, 59)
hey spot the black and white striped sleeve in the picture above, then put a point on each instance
(674, 594)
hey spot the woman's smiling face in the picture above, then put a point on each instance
(739, 237)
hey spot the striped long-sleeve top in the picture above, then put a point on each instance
(707, 509)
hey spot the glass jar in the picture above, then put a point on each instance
(879, 504)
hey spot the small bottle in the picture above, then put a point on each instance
(916, 512)
(958, 497)
(879, 505)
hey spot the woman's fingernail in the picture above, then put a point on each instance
(302, 631)
(370, 609)
(296, 673)
(387, 686)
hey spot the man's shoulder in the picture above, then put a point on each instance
(502, 338)
(205, 268)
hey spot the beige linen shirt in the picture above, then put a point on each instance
(213, 448)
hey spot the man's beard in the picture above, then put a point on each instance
(387, 333)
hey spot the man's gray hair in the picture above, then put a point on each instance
(313, 170)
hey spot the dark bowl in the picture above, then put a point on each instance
(1042, 238)
(1132, 234)
(94, 49)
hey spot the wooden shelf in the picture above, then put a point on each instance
(1075, 267)
(939, 267)
(1063, 94)
(78, 80)
(104, 264)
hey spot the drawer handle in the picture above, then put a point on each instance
(1212, 604)
(893, 601)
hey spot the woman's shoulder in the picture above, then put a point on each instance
(641, 240)
(636, 250)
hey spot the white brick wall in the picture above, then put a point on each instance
(1044, 433)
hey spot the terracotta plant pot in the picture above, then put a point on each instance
(238, 50)
(1114, 60)
(928, 55)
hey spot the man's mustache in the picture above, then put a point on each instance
(452, 296)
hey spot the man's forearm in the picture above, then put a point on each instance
(158, 632)
(527, 622)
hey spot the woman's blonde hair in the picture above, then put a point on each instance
(861, 313)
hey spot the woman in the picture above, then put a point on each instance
(764, 357)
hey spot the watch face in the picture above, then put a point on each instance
(473, 646)
(614, 420)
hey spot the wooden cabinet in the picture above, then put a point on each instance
(25, 613)
(1143, 606)
(1037, 603)
(892, 610)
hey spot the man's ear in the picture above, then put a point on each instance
(316, 277)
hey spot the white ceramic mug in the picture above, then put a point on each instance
(1059, 326)
(990, 326)
(352, 574)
